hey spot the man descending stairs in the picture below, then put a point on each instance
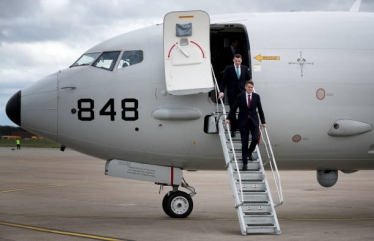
(253, 200)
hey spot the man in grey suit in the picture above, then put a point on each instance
(234, 78)
(248, 104)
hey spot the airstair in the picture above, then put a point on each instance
(253, 198)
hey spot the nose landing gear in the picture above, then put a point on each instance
(178, 204)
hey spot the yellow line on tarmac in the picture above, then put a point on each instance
(46, 230)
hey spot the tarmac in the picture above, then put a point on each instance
(46, 194)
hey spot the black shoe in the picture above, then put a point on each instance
(245, 167)
(250, 158)
(233, 134)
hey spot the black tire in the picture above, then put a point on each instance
(165, 202)
(179, 205)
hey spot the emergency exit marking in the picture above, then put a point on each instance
(260, 58)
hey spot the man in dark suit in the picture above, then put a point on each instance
(234, 79)
(228, 53)
(248, 104)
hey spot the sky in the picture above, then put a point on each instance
(40, 37)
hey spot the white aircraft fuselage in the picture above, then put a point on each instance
(313, 71)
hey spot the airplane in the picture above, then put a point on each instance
(145, 100)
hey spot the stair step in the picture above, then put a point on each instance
(249, 176)
(261, 228)
(255, 197)
(252, 186)
(249, 209)
(258, 219)
(252, 166)
(237, 145)
(238, 154)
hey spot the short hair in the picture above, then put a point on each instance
(249, 82)
(233, 40)
(237, 56)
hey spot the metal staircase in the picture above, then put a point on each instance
(253, 199)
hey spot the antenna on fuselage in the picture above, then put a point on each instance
(356, 6)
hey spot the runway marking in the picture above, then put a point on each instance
(55, 231)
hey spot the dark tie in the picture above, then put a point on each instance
(249, 104)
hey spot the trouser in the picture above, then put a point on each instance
(233, 121)
(244, 133)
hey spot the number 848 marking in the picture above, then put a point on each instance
(129, 109)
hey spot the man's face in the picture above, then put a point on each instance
(237, 61)
(249, 88)
(235, 43)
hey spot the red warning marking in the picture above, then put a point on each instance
(172, 175)
(199, 48)
(202, 52)
(171, 50)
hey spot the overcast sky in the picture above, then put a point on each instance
(40, 37)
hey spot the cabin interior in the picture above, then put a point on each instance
(221, 36)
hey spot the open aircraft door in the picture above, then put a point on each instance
(187, 53)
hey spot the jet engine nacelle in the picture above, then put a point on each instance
(327, 178)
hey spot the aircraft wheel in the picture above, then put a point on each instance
(179, 205)
(165, 202)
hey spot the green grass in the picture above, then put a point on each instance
(29, 143)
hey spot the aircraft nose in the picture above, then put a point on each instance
(13, 108)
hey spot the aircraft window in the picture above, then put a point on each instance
(130, 58)
(107, 60)
(85, 59)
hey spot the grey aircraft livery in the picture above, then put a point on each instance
(146, 103)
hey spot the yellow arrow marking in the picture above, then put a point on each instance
(260, 58)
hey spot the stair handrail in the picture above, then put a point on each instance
(273, 163)
(241, 201)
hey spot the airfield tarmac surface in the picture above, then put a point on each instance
(46, 194)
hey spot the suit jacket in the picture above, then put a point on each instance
(231, 81)
(244, 111)
(226, 58)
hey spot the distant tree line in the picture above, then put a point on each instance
(7, 130)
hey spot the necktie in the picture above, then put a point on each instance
(249, 101)
(237, 71)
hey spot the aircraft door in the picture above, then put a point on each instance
(187, 53)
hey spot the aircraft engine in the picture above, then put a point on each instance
(327, 178)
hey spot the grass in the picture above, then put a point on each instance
(29, 143)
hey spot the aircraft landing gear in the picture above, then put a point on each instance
(178, 204)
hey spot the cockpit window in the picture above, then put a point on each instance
(85, 59)
(107, 60)
(130, 58)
